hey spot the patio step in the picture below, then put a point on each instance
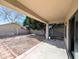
(6, 52)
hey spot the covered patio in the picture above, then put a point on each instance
(45, 11)
(48, 12)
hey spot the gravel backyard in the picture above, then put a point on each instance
(20, 44)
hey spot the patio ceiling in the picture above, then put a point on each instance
(46, 11)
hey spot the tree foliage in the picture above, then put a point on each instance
(31, 23)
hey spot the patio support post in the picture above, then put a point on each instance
(66, 36)
(47, 31)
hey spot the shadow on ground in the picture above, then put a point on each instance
(55, 42)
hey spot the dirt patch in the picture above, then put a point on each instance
(20, 44)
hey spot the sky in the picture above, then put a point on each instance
(12, 14)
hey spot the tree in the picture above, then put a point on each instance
(9, 15)
(31, 23)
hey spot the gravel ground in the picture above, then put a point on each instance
(20, 44)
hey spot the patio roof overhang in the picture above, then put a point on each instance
(46, 11)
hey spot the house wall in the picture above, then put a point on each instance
(76, 38)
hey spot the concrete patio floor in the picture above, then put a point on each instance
(48, 49)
